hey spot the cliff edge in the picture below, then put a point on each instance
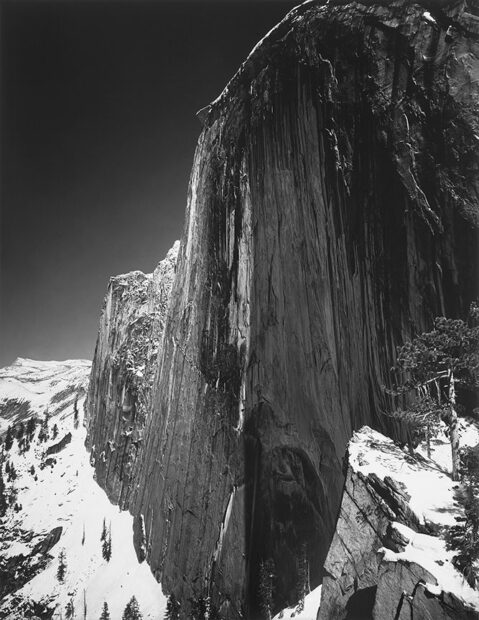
(332, 211)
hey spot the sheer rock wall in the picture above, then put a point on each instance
(332, 211)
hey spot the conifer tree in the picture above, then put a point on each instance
(433, 366)
(105, 614)
(20, 430)
(75, 413)
(62, 566)
(54, 431)
(266, 586)
(106, 546)
(70, 609)
(31, 425)
(172, 608)
(103, 531)
(3, 497)
(9, 438)
(132, 610)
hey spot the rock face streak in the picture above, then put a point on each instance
(332, 211)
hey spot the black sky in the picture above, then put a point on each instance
(98, 131)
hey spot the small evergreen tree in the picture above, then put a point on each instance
(83, 536)
(54, 431)
(70, 609)
(43, 434)
(103, 531)
(172, 608)
(3, 496)
(132, 610)
(434, 365)
(266, 588)
(302, 584)
(464, 537)
(20, 430)
(76, 415)
(12, 473)
(199, 608)
(105, 614)
(9, 438)
(106, 546)
(31, 425)
(62, 566)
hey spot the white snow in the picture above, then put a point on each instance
(67, 495)
(36, 382)
(430, 552)
(431, 490)
(310, 611)
(428, 17)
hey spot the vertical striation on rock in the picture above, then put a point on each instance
(332, 211)
(124, 365)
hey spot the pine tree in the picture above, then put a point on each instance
(433, 366)
(70, 609)
(31, 425)
(199, 608)
(172, 608)
(75, 413)
(83, 536)
(106, 546)
(3, 497)
(103, 531)
(62, 566)
(20, 430)
(9, 438)
(105, 614)
(132, 610)
(266, 584)
(55, 431)
(43, 434)
(464, 536)
(302, 584)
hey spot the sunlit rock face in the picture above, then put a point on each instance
(124, 365)
(332, 211)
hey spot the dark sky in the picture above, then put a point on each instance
(98, 131)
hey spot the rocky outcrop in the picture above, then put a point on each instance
(332, 211)
(124, 365)
(388, 558)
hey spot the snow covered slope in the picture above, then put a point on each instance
(54, 506)
(29, 386)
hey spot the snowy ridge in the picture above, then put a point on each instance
(39, 385)
(432, 500)
(56, 489)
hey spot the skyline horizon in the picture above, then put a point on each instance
(99, 105)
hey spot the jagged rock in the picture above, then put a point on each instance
(124, 365)
(385, 562)
(332, 211)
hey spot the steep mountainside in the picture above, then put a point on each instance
(53, 505)
(332, 211)
(29, 387)
(124, 366)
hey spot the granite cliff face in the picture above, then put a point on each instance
(118, 402)
(332, 211)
